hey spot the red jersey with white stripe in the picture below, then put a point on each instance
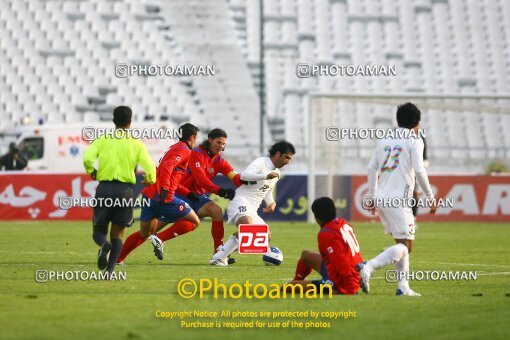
(172, 166)
(340, 251)
(202, 167)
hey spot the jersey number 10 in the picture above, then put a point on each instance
(349, 238)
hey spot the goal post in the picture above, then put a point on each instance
(462, 130)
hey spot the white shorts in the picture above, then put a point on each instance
(239, 208)
(399, 222)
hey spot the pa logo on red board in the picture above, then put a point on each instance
(253, 238)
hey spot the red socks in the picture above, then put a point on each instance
(302, 270)
(217, 232)
(178, 228)
(133, 241)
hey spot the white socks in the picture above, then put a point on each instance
(228, 248)
(403, 267)
(391, 255)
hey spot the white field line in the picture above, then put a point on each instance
(466, 264)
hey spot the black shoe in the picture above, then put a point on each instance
(231, 260)
(102, 255)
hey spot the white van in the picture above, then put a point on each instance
(60, 147)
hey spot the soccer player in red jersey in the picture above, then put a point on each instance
(204, 164)
(164, 207)
(338, 253)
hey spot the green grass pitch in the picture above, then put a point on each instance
(126, 309)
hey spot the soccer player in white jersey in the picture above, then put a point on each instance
(243, 208)
(397, 161)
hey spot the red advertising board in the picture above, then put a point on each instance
(28, 196)
(474, 198)
(35, 196)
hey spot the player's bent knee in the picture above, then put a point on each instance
(146, 228)
(194, 219)
(244, 220)
(145, 233)
(216, 213)
(117, 231)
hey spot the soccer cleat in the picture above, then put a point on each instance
(231, 260)
(121, 263)
(158, 246)
(408, 292)
(219, 262)
(364, 277)
(102, 255)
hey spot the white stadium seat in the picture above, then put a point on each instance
(60, 59)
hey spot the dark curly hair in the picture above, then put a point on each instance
(408, 115)
(283, 147)
(213, 134)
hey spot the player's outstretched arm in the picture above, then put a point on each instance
(201, 178)
(228, 171)
(254, 171)
(236, 179)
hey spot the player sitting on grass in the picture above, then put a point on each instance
(243, 208)
(338, 253)
(204, 164)
(399, 161)
(164, 207)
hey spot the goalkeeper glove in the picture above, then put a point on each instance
(227, 193)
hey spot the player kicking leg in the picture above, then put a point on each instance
(204, 207)
(220, 258)
(155, 217)
(205, 163)
(399, 161)
(163, 205)
(243, 208)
